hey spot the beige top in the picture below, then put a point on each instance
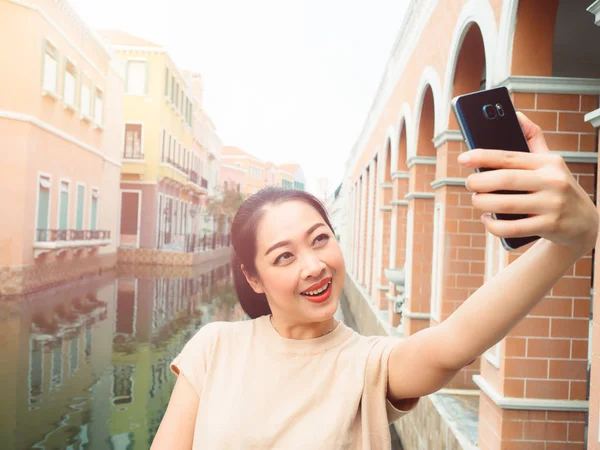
(259, 390)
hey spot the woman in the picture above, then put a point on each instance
(295, 378)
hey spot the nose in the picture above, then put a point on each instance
(312, 266)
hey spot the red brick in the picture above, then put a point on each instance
(526, 368)
(562, 141)
(515, 346)
(574, 122)
(570, 328)
(545, 431)
(579, 348)
(548, 348)
(587, 142)
(524, 100)
(532, 326)
(557, 102)
(553, 307)
(548, 389)
(589, 103)
(578, 390)
(546, 120)
(576, 432)
(568, 370)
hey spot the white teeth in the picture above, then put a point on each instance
(318, 291)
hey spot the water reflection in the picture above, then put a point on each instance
(86, 365)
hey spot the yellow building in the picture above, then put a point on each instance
(161, 185)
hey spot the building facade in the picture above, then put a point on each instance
(248, 174)
(169, 157)
(415, 247)
(60, 131)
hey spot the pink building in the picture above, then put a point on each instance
(61, 139)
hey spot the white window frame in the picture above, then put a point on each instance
(141, 136)
(51, 49)
(83, 114)
(167, 82)
(98, 95)
(436, 262)
(146, 75)
(68, 183)
(77, 185)
(66, 104)
(94, 193)
(37, 201)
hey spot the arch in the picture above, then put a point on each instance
(405, 123)
(429, 79)
(390, 142)
(506, 35)
(475, 12)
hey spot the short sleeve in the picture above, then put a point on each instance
(194, 358)
(376, 383)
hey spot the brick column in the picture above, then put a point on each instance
(594, 396)
(384, 211)
(415, 311)
(397, 256)
(535, 382)
(356, 233)
(362, 228)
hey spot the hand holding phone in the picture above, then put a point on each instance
(549, 202)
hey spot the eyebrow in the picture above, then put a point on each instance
(283, 243)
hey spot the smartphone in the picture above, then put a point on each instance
(488, 119)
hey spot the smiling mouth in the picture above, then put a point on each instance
(317, 292)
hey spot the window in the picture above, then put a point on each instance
(298, 185)
(70, 83)
(50, 68)
(170, 158)
(80, 206)
(43, 209)
(172, 89)
(85, 99)
(164, 141)
(133, 141)
(167, 82)
(136, 83)
(286, 184)
(63, 206)
(94, 210)
(98, 107)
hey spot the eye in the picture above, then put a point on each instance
(321, 239)
(283, 257)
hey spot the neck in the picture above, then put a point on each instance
(310, 330)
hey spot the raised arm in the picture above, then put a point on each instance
(561, 213)
(176, 430)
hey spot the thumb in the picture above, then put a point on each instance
(533, 133)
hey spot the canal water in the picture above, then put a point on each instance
(86, 365)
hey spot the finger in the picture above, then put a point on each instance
(510, 203)
(531, 226)
(534, 135)
(504, 159)
(504, 179)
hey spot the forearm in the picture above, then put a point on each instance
(495, 308)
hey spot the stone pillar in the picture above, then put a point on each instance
(415, 311)
(370, 224)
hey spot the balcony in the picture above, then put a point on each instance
(197, 183)
(173, 171)
(48, 241)
(133, 162)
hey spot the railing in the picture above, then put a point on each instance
(176, 165)
(45, 235)
(209, 241)
(133, 154)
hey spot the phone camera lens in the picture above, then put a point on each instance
(489, 112)
(500, 109)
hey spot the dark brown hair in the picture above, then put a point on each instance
(243, 236)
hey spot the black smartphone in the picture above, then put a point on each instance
(488, 119)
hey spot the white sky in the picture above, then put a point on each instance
(286, 80)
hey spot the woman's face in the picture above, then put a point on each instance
(299, 263)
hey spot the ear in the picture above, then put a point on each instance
(254, 284)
